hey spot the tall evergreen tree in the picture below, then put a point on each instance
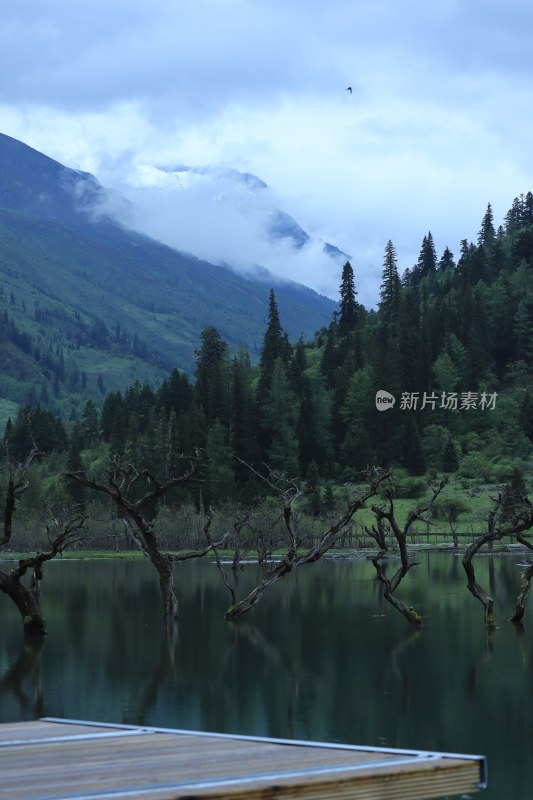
(446, 261)
(390, 286)
(275, 345)
(279, 417)
(175, 392)
(427, 259)
(450, 462)
(487, 233)
(527, 210)
(357, 412)
(348, 303)
(211, 388)
(513, 218)
(90, 424)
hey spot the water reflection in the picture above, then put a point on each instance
(323, 657)
(22, 681)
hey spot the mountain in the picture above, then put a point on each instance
(88, 305)
(239, 200)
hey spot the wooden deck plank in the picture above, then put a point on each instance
(40, 729)
(50, 760)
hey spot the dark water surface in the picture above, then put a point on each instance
(322, 657)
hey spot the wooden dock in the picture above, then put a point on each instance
(53, 759)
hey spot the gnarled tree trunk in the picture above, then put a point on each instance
(28, 600)
(527, 575)
(496, 533)
(293, 559)
(27, 604)
(386, 524)
(124, 482)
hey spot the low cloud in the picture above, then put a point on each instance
(226, 217)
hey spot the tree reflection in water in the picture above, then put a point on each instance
(323, 657)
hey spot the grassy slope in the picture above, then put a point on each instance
(163, 297)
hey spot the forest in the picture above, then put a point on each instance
(442, 329)
(202, 461)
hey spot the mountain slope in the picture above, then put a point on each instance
(108, 303)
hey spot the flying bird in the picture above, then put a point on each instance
(349, 89)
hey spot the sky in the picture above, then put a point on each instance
(437, 125)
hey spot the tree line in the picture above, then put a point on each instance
(442, 330)
(306, 413)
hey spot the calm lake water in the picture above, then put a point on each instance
(322, 657)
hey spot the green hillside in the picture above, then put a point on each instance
(88, 306)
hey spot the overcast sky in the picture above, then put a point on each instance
(438, 123)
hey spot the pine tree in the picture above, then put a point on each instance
(527, 210)
(427, 259)
(450, 462)
(487, 234)
(279, 416)
(356, 412)
(446, 261)
(90, 424)
(211, 388)
(513, 218)
(348, 303)
(390, 286)
(275, 345)
(175, 392)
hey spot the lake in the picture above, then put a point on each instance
(322, 657)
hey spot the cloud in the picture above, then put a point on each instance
(224, 216)
(437, 125)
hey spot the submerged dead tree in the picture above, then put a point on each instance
(496, 531)
(61, 532)
(288, 492)
(134, 492)
(386, 525)
(525, 580)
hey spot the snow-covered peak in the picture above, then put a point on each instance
(228, 217)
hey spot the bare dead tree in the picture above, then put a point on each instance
(288, 492)
(61, 533)
(134, 492)
(496, 531)
(525, 584)
(387, 524)
(241, 547)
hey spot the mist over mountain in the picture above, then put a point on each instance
(90, 305)
(226, 216)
